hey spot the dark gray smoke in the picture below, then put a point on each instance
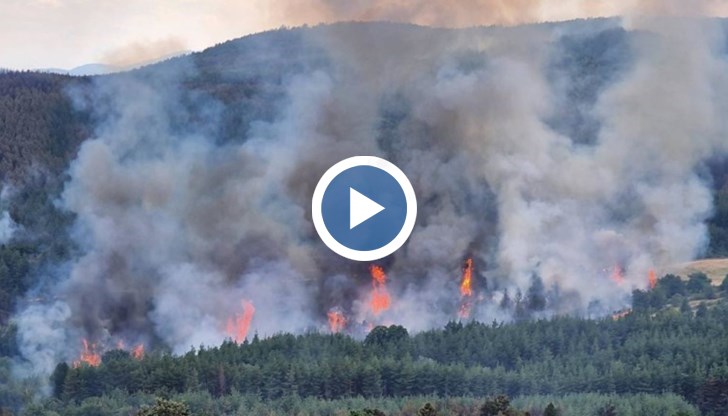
(179, 222)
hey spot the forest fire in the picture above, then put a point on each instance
(652, 278)
(237, 327)
(617, 275)
(380, 299)
(89, 355)
(138, 351)
(621, 314)
(337, 320)
(466, 289)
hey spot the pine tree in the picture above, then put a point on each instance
(496, 406)
(607, 410)
(685, 306)
(702, 311)
(535, 298)
(58, 379)
(165, 408)
(371, 382)
(366, 412)
(550, 410)
(427, 410)
(713, 397)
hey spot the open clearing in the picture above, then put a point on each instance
(716, 269)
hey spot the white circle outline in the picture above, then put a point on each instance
(409, 196)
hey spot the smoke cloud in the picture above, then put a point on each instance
(198, 24)
(8, 227)
(178, 227)
(138, 53)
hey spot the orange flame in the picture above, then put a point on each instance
(237, 327)
(380, 299)
(89, 355)
(337, 321)
(617, 275)
(466, 289)
(138, 351)
(652, 278)
(621, 314)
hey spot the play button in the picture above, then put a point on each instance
(364, 208)
(361, 208)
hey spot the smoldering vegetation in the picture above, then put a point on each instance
(566, 160)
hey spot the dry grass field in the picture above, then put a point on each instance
(716, 269)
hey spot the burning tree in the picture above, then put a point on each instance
(89, 355)
(466, 290)
(337, 320)
(379, 300)
(237, 326)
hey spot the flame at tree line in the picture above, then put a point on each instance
(91, 353)
(652, 278)
(237, 327)
(466, 289)
(138, 352)
(380, 299)
(337, 320)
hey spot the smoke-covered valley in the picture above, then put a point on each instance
(557, 168)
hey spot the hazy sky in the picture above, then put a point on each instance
(68, 33)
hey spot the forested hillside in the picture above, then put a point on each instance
(664, 356)
(40, 129)
(42, 126)
(648, 352)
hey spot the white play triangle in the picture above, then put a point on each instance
(361, 208)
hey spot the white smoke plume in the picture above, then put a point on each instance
(177, 228)
(8, 227)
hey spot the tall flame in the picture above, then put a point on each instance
(652, 278)
(337, 320)
(237, 327)
(380, 299)
(466, 289)
(89, 355)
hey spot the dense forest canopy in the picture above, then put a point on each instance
(647, 353)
